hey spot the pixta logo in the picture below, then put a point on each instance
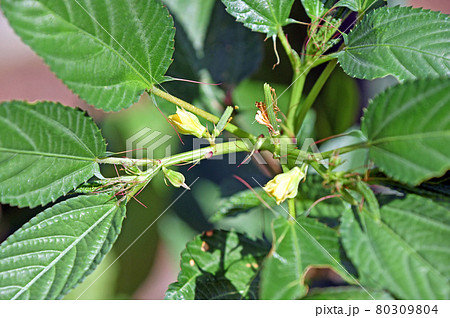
(152, 144)
(145, 142)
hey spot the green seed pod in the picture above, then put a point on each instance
(175, 178)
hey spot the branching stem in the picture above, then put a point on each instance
(308, 102)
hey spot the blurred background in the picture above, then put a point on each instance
(210, 47)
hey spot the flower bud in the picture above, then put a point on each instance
(285, 185)
(175, 178)
(187, 123)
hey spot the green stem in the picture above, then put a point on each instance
(291, 207)
(294, 58)
(200, 112)
(298, 79)
(298, 82)
(148, 177)
(189, 156)
(342, 150)
(224, 148)
(206, 152)
(321, 170)
(308, 102)
(322, 59)
(126, 161)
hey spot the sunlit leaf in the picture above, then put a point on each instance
(358, 5)
(46, 150)
(405, 42)
(406, 252)
(296, 247)
(55, 251)
(408, 128)
(108, 52)
(264, 16)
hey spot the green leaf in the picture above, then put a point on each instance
(194, 16)
(346, 293)
(46, 150)
(264, 16)
(357, 5)
(241, 202)
(315, 9)
(406, 252)
(219, 265)
(108, 52)
(408, 128)
(407, 43)
(296, 247)
(232, 52)
(55, 251)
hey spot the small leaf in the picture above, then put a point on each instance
(264, 16)
(406, 252)
(46, 150)
(408, 127)
(219, 265)
(316, 9)
(107, 52)
(358, 5)
(296, 247)
(55, 251)
(407, 43)
(346, 293)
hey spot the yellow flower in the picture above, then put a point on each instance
(187, 123)
(285, 185)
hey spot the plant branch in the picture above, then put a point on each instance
(200, 112)
(298, 82)
(126, 161)
(298, 79)
(318, 85)
(205, 153)
(189, 156)
(294, 58)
